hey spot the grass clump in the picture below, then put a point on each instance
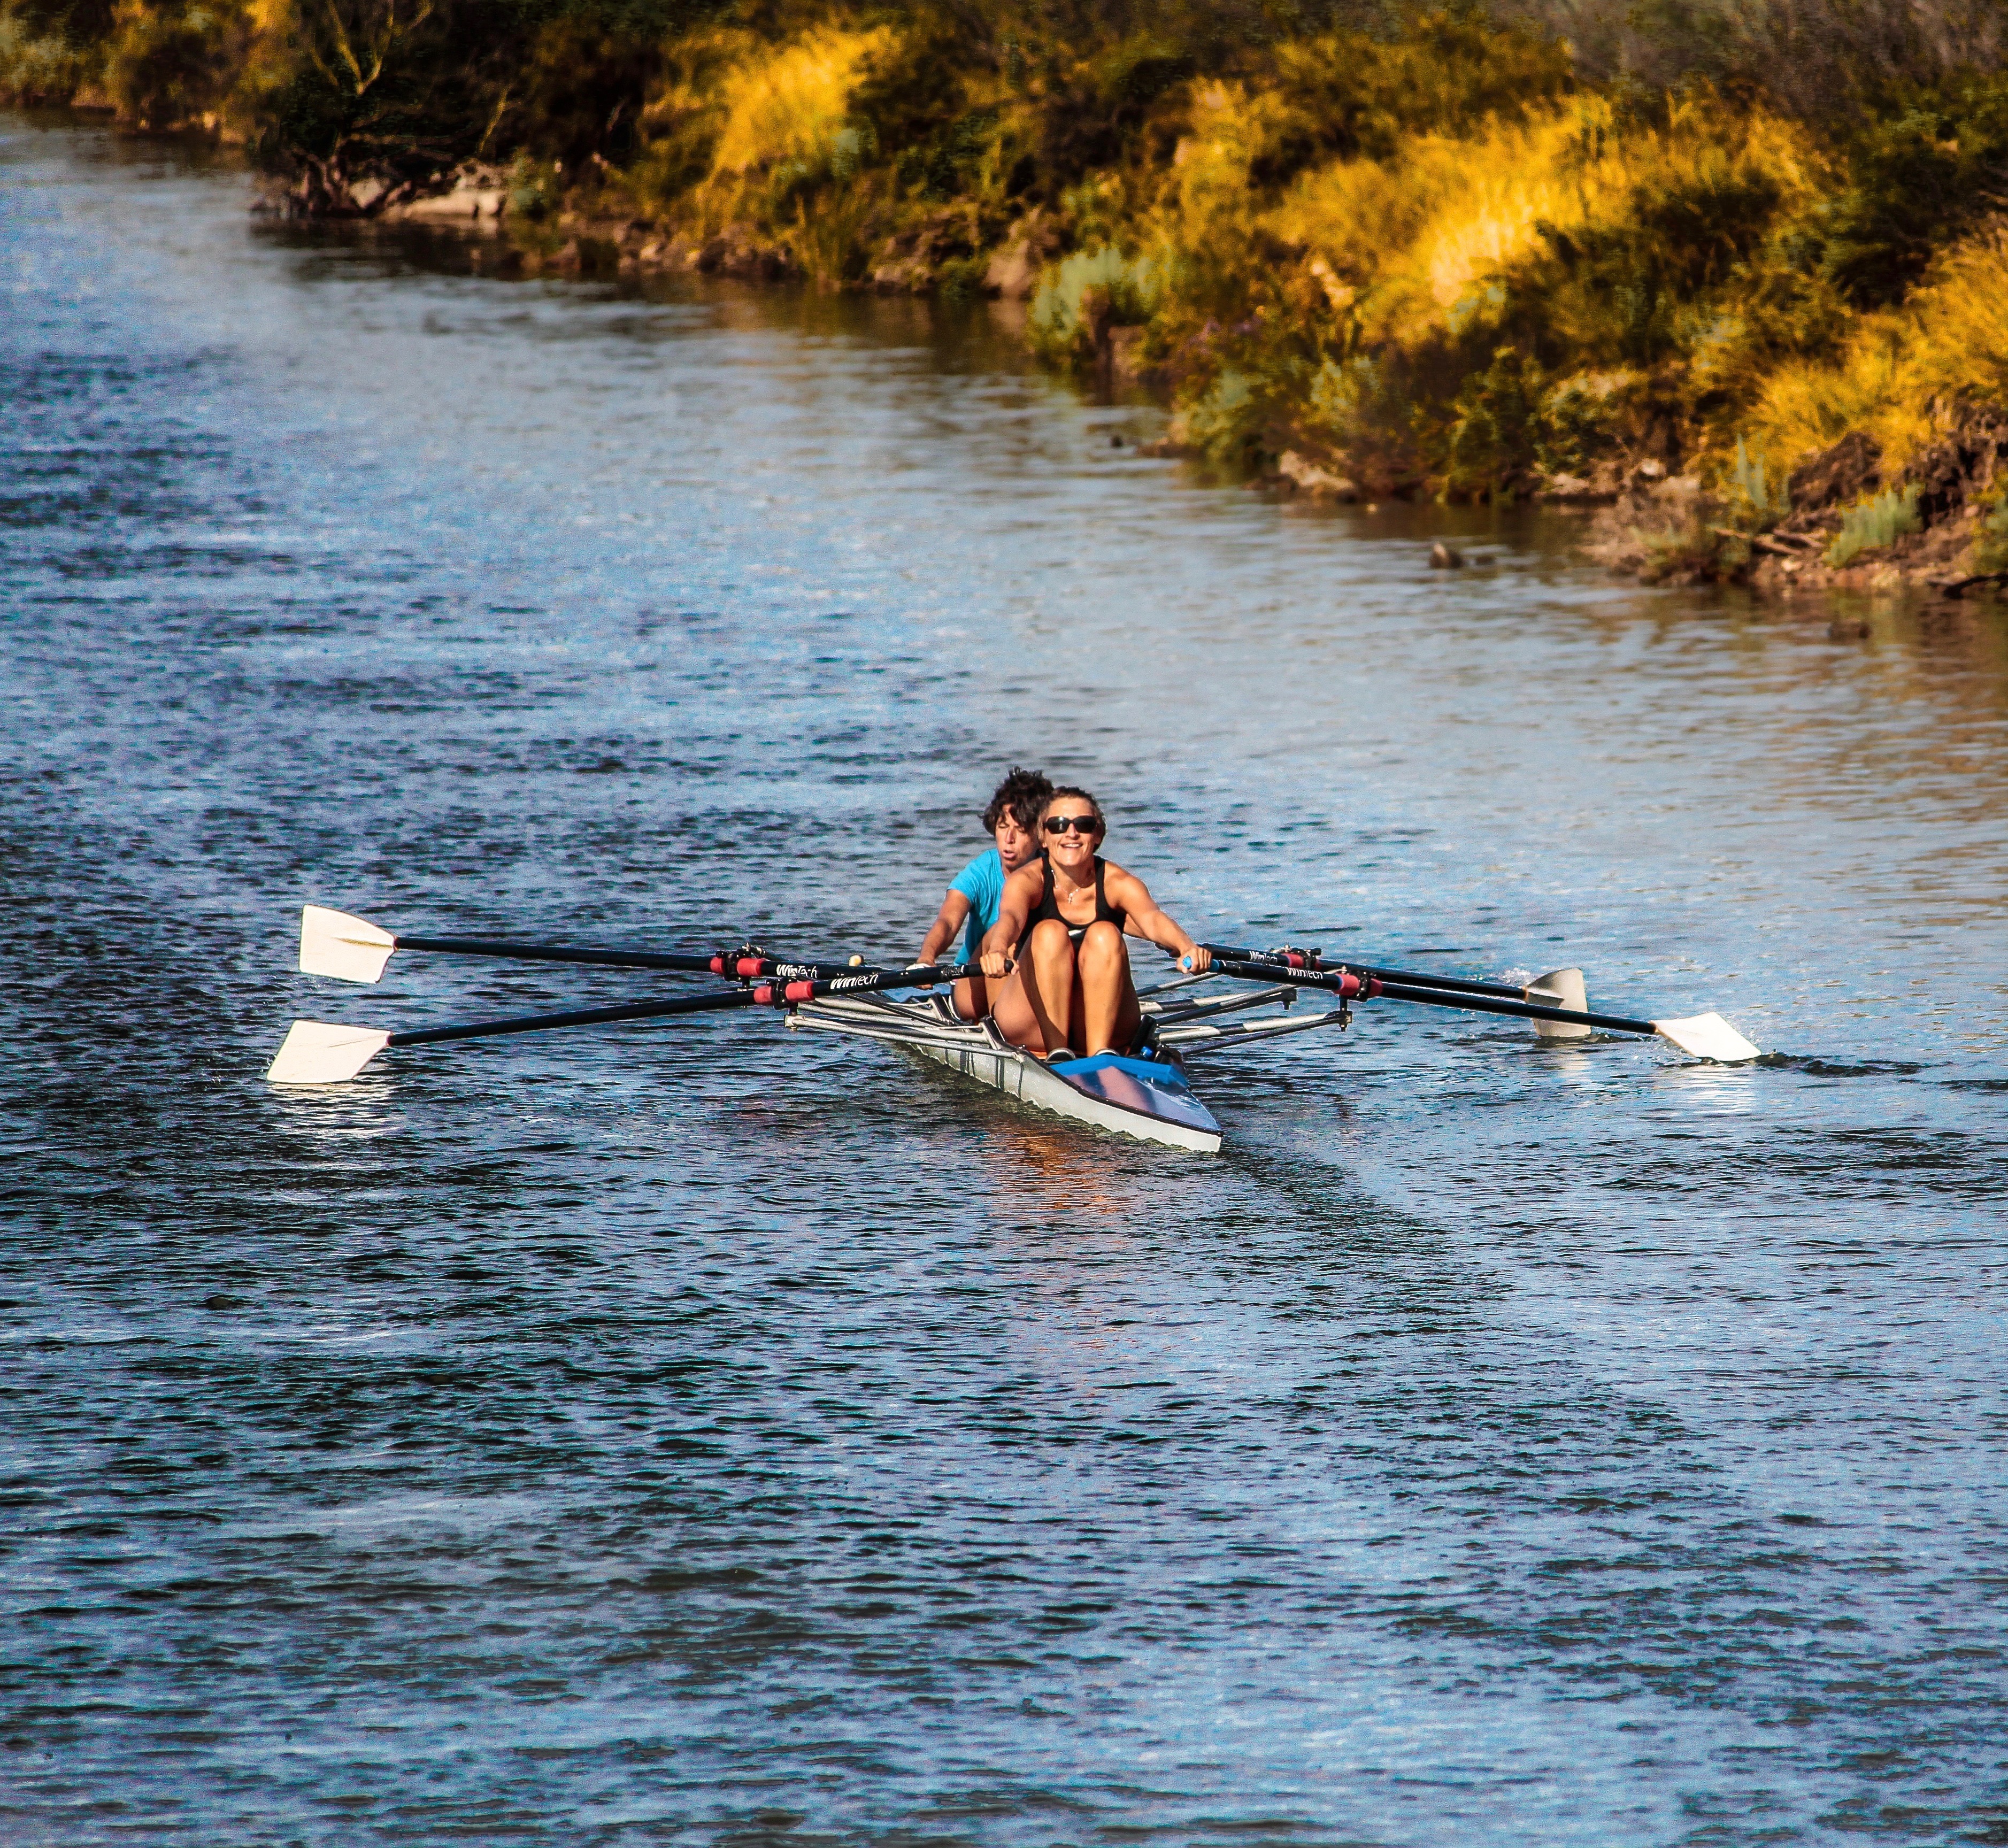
(1874, 526)
(1755, 501)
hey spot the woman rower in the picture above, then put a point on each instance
(1063, 916)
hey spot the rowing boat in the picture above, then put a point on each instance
(1148, 1097)
(1144, 1093)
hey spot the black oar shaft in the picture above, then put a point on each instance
(1448, 983)
(637, 1010)
(558, 952)
(865, 981)
(1519, 1010)
(766, 995)
(1457, 984)
(1366, 985)
(726, 962)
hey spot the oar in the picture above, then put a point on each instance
(1558, 988)
(1707, 1036)
(352, 949)
(1306, 959)
(320, 1052)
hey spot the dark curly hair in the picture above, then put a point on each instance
(1025, 793)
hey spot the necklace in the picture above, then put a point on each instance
(1061, 895)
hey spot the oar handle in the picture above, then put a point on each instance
(1305, 959)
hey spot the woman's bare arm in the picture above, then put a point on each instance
(1144, 918)
(952, 915)
(1022, 893)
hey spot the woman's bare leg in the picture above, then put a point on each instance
(1128, 1020)
(1049, 986)
(972, 998)
(1025, 1011)
(1014, 1012)
(1110, 1014)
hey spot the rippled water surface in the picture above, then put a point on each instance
(698, 1433)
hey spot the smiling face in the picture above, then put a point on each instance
(1070, 833)
(1016, 842)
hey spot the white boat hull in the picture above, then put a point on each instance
(1147, 1100)
(1020, 1075)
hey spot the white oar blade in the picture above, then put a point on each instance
(1708, 1036)
(350, 949)
(1560, 988)
(317, 1053)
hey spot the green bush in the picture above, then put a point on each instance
(1362, 408)
(1990, 548)
(1226, 424)
(1922, 170)
(1443, 74)
(169, 65)
(1088, 292)
(1584, 418)
(1495, 428)
(46, 56)
(535, 187)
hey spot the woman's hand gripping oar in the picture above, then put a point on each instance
(1706, 1036)
(319, 1052)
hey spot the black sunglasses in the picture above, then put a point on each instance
(1079, 823)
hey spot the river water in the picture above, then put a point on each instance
(699, 1433)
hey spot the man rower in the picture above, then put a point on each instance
(1062, 916)
(974, 893)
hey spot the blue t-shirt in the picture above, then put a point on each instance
(982, 883)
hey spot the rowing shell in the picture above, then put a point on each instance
(1151, 1099)
(1148, 1098)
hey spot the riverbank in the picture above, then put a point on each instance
(1690, 280)
(1924, 513)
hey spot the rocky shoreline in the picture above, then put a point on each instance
(1665, 528)
(1936, 526)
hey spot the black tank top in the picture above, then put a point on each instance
(1105, 912)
